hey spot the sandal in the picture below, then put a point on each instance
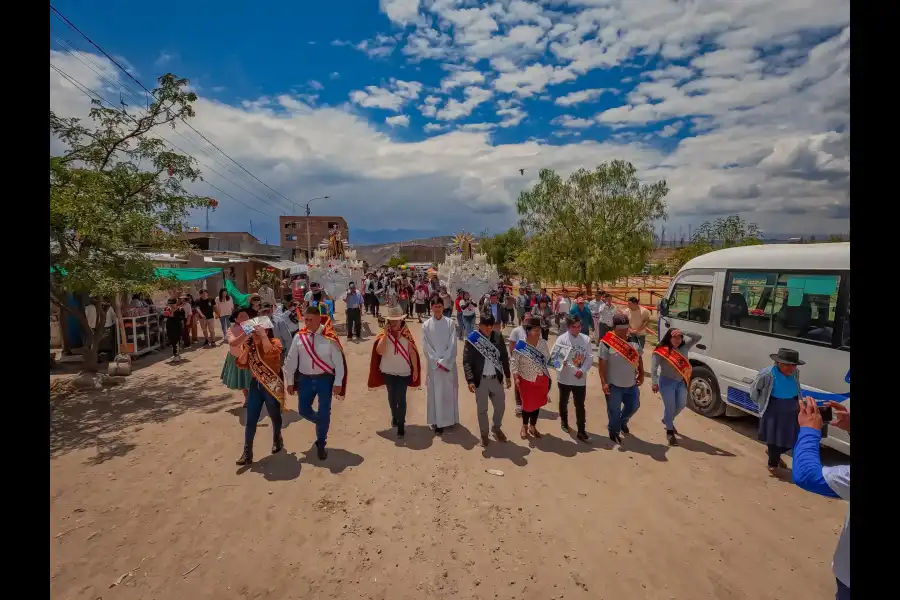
(534, 432)
(524, 433)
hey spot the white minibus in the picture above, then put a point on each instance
(748, 302)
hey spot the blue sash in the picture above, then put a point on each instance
(532, 354)
(486, 348)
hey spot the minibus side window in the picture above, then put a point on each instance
(747, 301)
(691, 302)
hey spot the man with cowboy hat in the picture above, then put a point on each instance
(776, 391)
(395, 364)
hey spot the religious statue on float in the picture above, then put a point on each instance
(335, 245)
(464, 243)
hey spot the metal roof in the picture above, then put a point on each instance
(281, 265)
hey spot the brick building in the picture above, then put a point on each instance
(292, 231)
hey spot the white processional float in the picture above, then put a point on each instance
(464, 269)
(333, 266)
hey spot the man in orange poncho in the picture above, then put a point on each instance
(395, 364)
(315, 367)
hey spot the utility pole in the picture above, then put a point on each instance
(308, 252)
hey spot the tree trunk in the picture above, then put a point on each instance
(89, 356)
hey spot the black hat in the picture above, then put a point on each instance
(786, 356)
(620, 320)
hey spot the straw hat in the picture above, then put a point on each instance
(393, 313)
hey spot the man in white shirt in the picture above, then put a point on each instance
(518, 333)
(108, 333)
(315, 367)
(562, 309)
(572, 358)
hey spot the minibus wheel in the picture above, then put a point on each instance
(703, 393)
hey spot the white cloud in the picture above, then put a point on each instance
(397, 95)
(670, 130)
(462, 78)
(164, 58)
(400, 11)
(478, 127)
(511, 116)
(531, 80)
(429, 108)
(315, 84)
(398, 121)
(334, 75)
(380, 47)
(570, 122)
(454, 109)
(582, 96)
(431, 127)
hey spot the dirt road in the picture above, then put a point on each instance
(146, 502)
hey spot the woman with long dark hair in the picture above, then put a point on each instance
(543, 312)
(223, 309)
(670, 372)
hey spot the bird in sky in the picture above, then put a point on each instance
(521, 171)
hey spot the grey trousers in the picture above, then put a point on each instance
(490, 389)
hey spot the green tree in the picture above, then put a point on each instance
(725, 232)
(503, 249)
(594, 226)
(396, 261)
(117, 188)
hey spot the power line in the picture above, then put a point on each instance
(133, 78)
(113, 82)
(94, 95)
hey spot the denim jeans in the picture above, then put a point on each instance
(674, 397)
(223, 321)
(256, 397)
(462, 325)
(470, 323)
(308, 389)
(396, 389)
(621, 404)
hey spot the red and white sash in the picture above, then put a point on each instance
(399, 349)
(311, 351)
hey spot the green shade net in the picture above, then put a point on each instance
(240, 300)
(186, 274)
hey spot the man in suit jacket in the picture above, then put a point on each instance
(486, 367)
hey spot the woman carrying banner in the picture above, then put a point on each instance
(395, 364)
(528, 364)
(670, 373)
(622, 373)
(260, 353)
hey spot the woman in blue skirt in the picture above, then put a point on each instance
(776, 391)
(233, 377)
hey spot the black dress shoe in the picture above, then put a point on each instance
(564, 426)
(583, 436)
(321, 451)
(625, 430)
(401, 431)
(438, 431)
(278, 445)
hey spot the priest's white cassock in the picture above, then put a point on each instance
(439, 345)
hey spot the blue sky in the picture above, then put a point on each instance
(418, 114)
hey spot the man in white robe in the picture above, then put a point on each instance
(439, 345)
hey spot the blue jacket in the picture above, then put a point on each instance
(587, 319)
